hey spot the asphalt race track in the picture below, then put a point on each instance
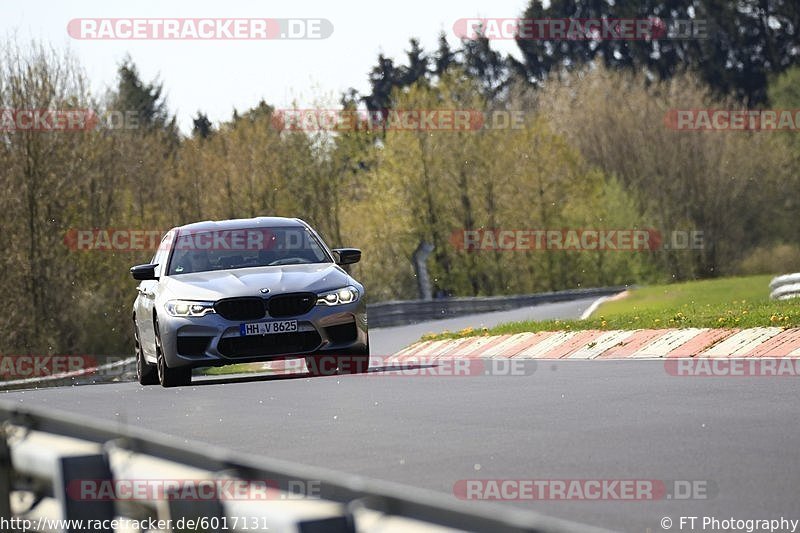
(561, 420)
(386, 341)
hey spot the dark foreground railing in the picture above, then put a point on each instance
(60, 466)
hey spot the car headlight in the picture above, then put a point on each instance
(189, 308)
(345, 295)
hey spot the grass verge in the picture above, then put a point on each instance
(238, 368)
(738, 302)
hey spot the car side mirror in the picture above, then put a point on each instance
(347, 256)
(144, 272)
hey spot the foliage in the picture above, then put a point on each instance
(590, 152)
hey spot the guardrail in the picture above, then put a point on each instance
(785, 287)
(51, 466)
(398, 313)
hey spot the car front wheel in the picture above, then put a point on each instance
(169, 377)
(146, 373)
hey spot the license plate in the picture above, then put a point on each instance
(267, 328)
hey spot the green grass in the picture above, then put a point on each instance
(238, 368)
(741, 302)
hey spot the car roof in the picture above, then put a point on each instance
(240, 223)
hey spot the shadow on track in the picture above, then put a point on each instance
(223, 380)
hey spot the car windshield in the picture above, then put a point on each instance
(202, 251)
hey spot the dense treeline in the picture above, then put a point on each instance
(592, 151)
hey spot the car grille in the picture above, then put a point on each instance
(342, 332)
(275, 344)
(240, 308)
(291, 304)
(192, 345)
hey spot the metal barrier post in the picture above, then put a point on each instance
(73, 473)
(188, 515)
(6, 474)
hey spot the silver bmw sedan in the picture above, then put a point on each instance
(246, 290)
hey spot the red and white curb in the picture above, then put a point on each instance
(615, 344)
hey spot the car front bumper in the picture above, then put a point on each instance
(212, 340)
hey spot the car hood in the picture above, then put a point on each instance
(218, 284)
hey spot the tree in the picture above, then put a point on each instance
(146, 100)
(54, 182)
(417, 68)
(201, 126)
(486, 66)
(383, 78)
(746, 42)
(681, 180)
(444, 56)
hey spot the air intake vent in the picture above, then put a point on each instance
(342, 332)
(240, 308)
(277, 344)
(291, 304)
(192, 345)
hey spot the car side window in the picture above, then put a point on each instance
(162, 254)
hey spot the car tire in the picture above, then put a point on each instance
(146, 373)
(169, 377)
